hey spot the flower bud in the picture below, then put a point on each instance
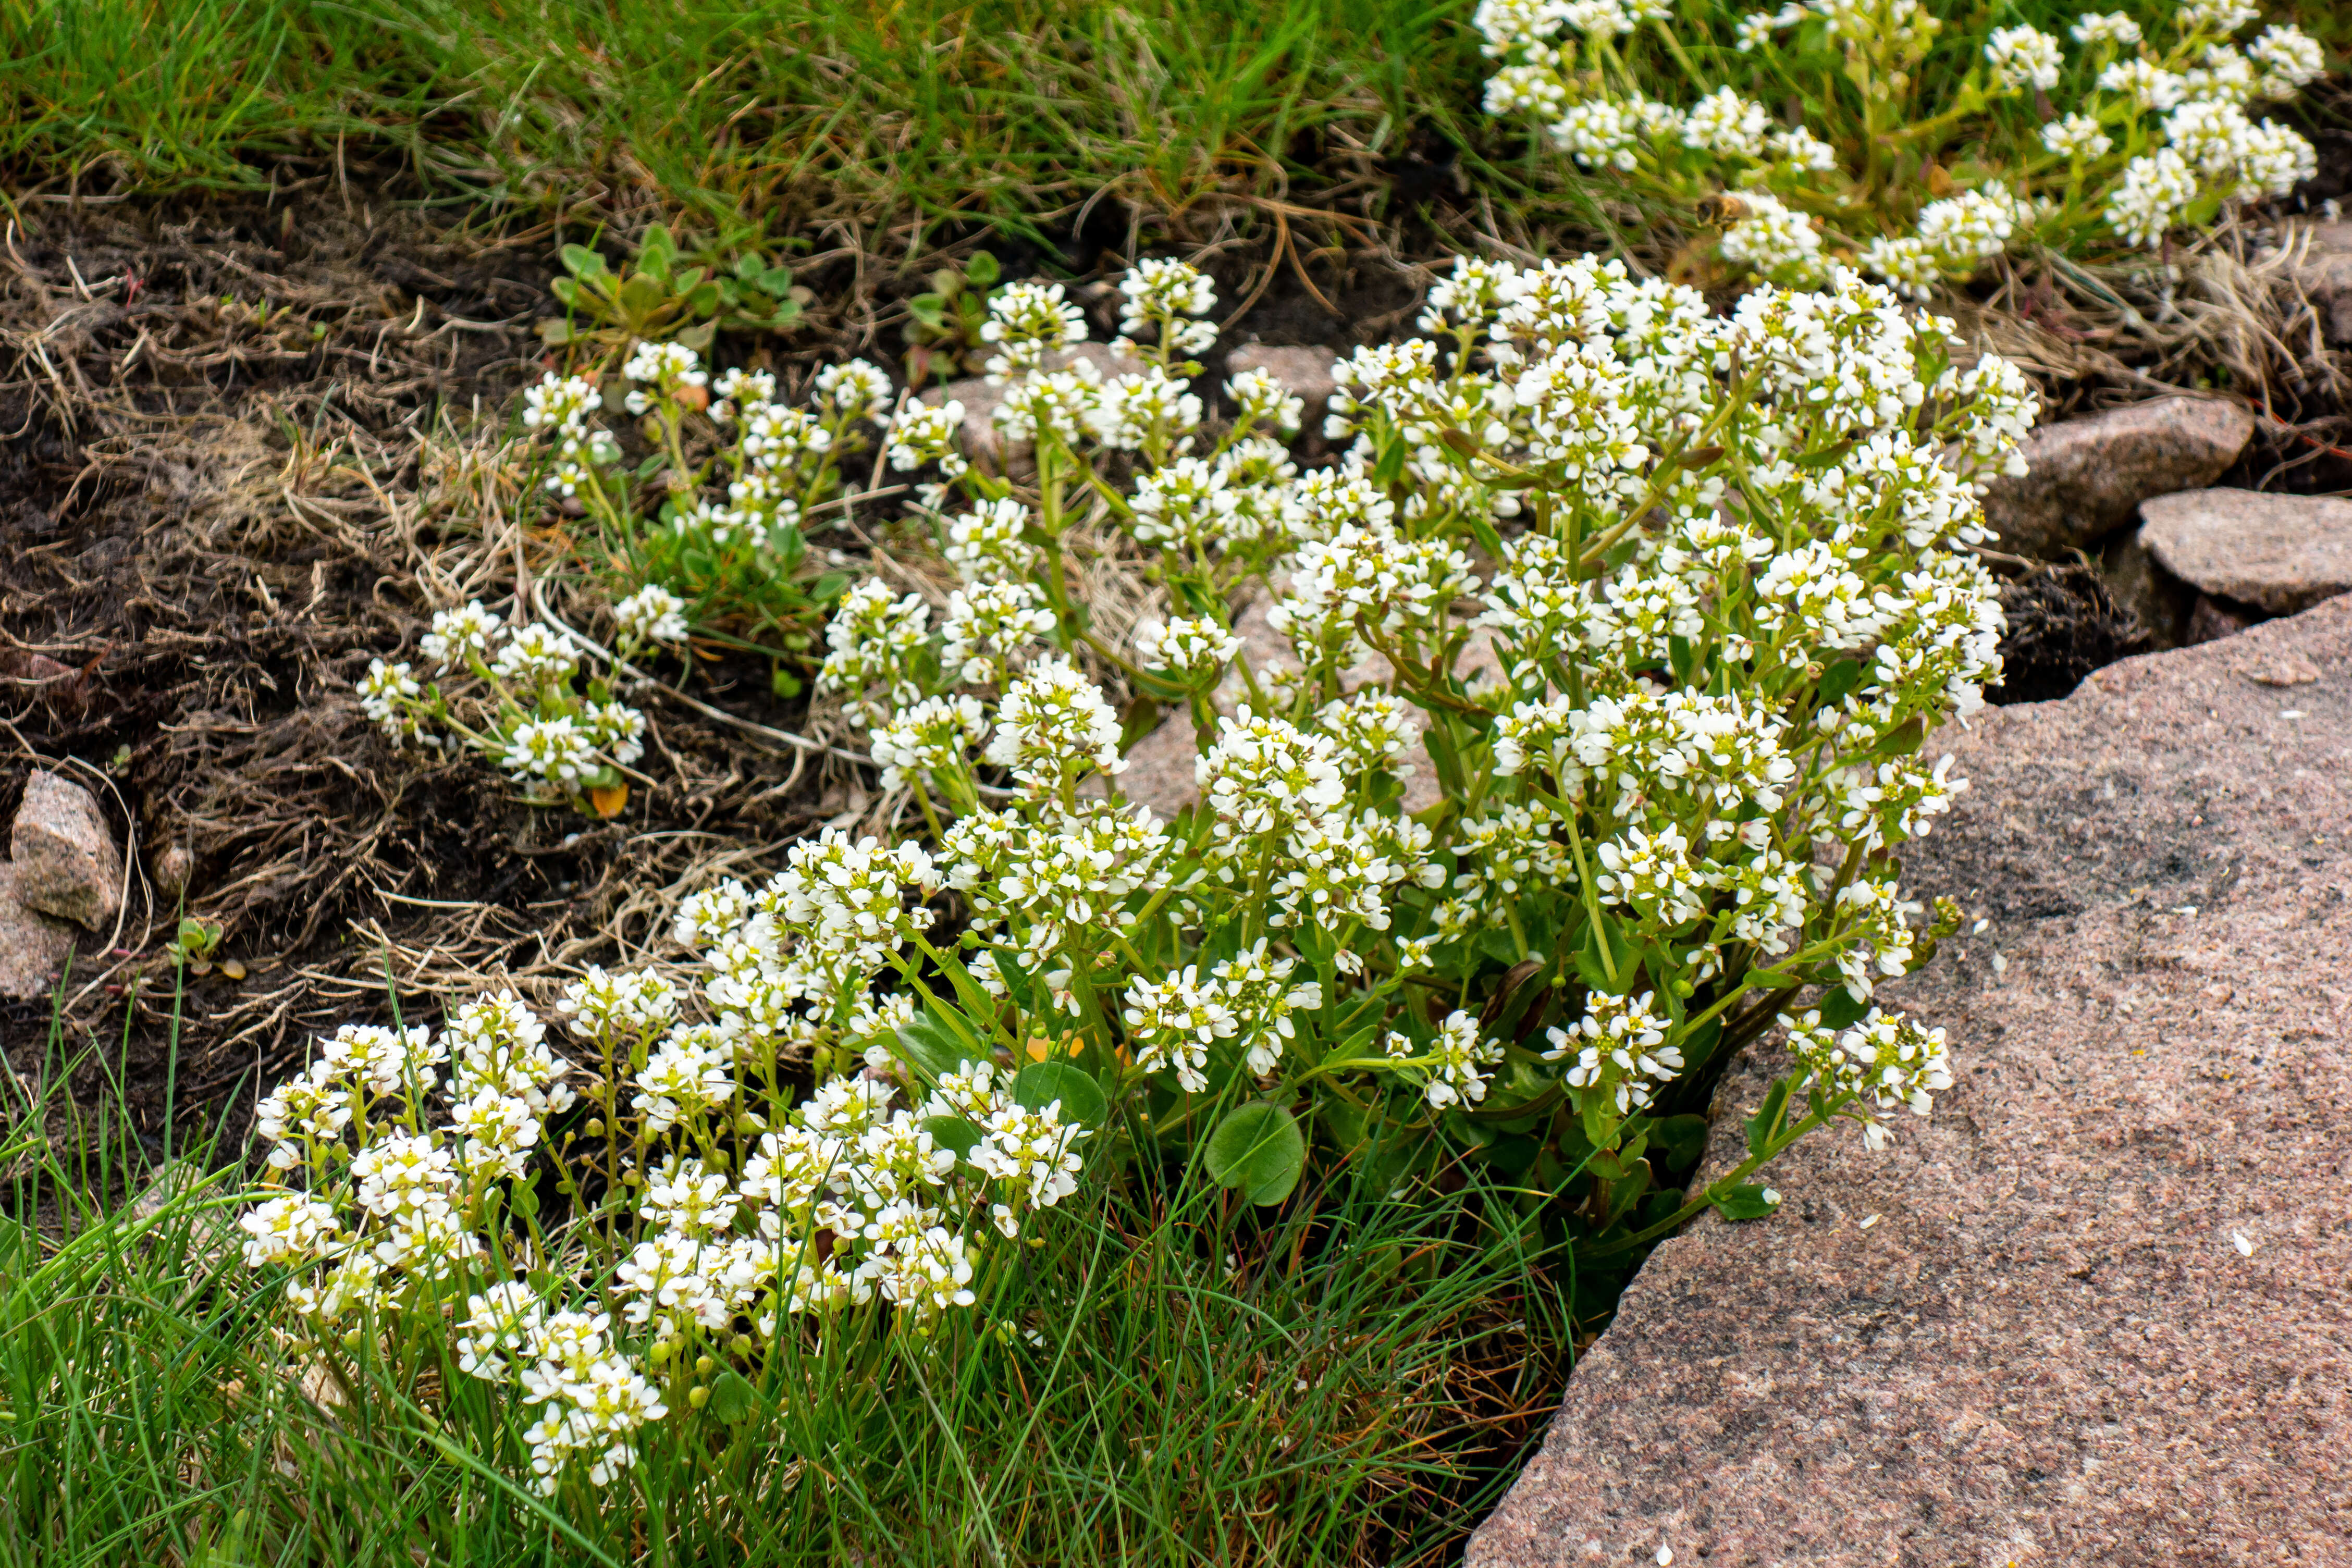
(698, 1396)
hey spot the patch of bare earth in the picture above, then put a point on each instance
(230, 442)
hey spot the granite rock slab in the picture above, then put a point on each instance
(2085, 476)
(2098, 1309)
(2279, 553)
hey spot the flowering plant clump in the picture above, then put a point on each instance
(725, 550)
(718, 511)
(1917, 155)
(522, 696)
(706, 1213)
(1664, 604)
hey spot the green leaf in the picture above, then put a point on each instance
(954, 1133)
(1903, 740)
(929, 309)
(555, 332)
(1016, 978)
(1745, 1202)
(1259, 1151)
(1839, 681)
(1762, 1125)
(933, 1045)
(1839, 1010)
(702, 300)
(697, 337)
(981, 270)
(1680, 1139)
(565, 290)
(1140, 719)
(777, 281)
(784, 683)
(1347, 1121)
(581, 262)
(641, 295)
(828, 587)
(524, 1200)
(748, 267)
(1624, 1190)
(1041, 1083)
(733, 1397)
(1484, 532)
(658, 251)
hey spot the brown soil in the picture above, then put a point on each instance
(205, 533)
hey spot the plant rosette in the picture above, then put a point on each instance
(1716, 573)
(1916, 156)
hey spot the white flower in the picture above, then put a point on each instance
(457, 632)
(536, 655)
(560, 403)
(2289, 58)
(666, 368)
(1724, 122)
(2148, 85)
(2148, 201)
(1032, 1157)
(1451, 1065)
(652, 614)
(555, 749)
(2076, 136)
(2106, 28)
(1027, 321)
(856, 388)
(2023, 57)
(384, 693)
(286, 1230)
(1052, 726)
(1194, 649)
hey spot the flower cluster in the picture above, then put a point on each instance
(709, 1213)
(2148, 135)
(1580, 745)
(515, 694)
(1725, 607)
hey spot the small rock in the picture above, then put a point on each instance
(173, 867)
(33, 947)
(1304, 371)
(2211, 621)
(64, 856)
(2084, 476)
(2278, 553)
(981, 401)
(2322, 271)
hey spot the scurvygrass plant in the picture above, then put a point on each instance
(1912, 147)
(722, 552)
(1667, 603)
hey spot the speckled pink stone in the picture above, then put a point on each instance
(2049, 1348)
